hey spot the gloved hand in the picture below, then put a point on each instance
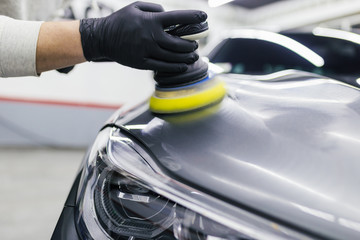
(134, 36)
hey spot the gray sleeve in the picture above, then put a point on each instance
(18, 41)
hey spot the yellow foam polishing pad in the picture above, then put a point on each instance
(192, 116)
(188, 98)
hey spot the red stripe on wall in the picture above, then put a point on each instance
(60, 103)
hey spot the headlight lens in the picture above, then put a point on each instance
(124, 194)
(125, 208)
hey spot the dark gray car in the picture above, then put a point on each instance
(278, 158)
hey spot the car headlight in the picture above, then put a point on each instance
(126, 194)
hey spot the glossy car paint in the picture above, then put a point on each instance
(284, 146)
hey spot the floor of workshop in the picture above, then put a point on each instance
(34, 184)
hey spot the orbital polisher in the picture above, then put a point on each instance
(190, 90)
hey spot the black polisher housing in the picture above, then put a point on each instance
(196, 72)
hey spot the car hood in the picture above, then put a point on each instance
(285, 146)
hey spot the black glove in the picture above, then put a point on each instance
(134, 36)
(65, 70)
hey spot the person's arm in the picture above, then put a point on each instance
(58, 46)
(28, 48)
(133, 36)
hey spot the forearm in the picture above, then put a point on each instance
(58, 46)
(28, 48)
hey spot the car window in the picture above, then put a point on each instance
(341, 56)
(254, 56)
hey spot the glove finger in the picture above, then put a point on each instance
(157, 65)
(149, 7)
(174, 57)
(176, 44)
(181, 17)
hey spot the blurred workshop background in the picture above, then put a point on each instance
(47, 123)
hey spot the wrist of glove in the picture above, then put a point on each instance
(91, 39)
(134, 36)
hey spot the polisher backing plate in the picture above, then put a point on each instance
(193, 31)
(187, 98)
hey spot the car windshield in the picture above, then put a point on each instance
(254, 56)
